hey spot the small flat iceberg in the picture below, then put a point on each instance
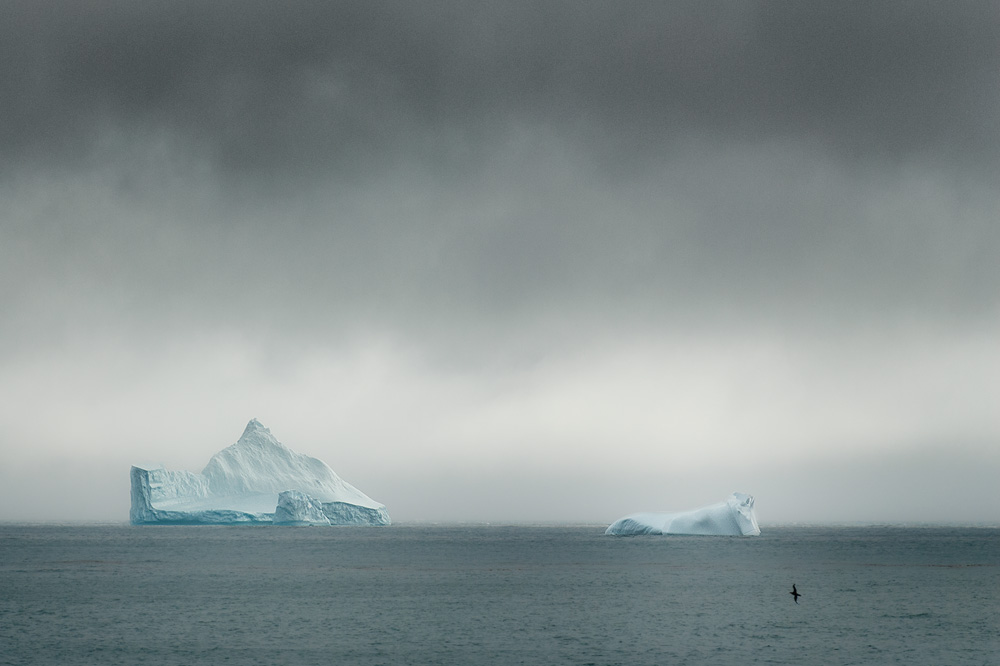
(256, 480)
(734, 517)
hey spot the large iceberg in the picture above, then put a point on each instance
(734, 517)
(256, 480)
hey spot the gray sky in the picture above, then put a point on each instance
(506, 261)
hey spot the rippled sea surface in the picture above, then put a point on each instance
(496, 595)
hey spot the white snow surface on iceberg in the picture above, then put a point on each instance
(242, 484)
(259, 463)
(734, 517)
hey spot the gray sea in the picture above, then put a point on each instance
(469, 595)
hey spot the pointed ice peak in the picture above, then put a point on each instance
(257, 434)
(255, 426)
(259, 463)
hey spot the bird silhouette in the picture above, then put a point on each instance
(795, 593)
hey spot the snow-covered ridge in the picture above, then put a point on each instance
(242, 484)
(733, 517)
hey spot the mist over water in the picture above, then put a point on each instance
(468, 595)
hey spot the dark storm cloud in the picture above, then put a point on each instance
(430, 161)
(287, 88)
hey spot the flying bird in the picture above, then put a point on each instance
(795, 593)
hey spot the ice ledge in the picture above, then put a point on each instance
(297, 508)
(292, 507)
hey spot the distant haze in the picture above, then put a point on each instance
(553, 261)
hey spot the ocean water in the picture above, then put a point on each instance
(496, 595)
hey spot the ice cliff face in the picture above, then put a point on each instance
(734, 517)
(297, 508)
(247, 483)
